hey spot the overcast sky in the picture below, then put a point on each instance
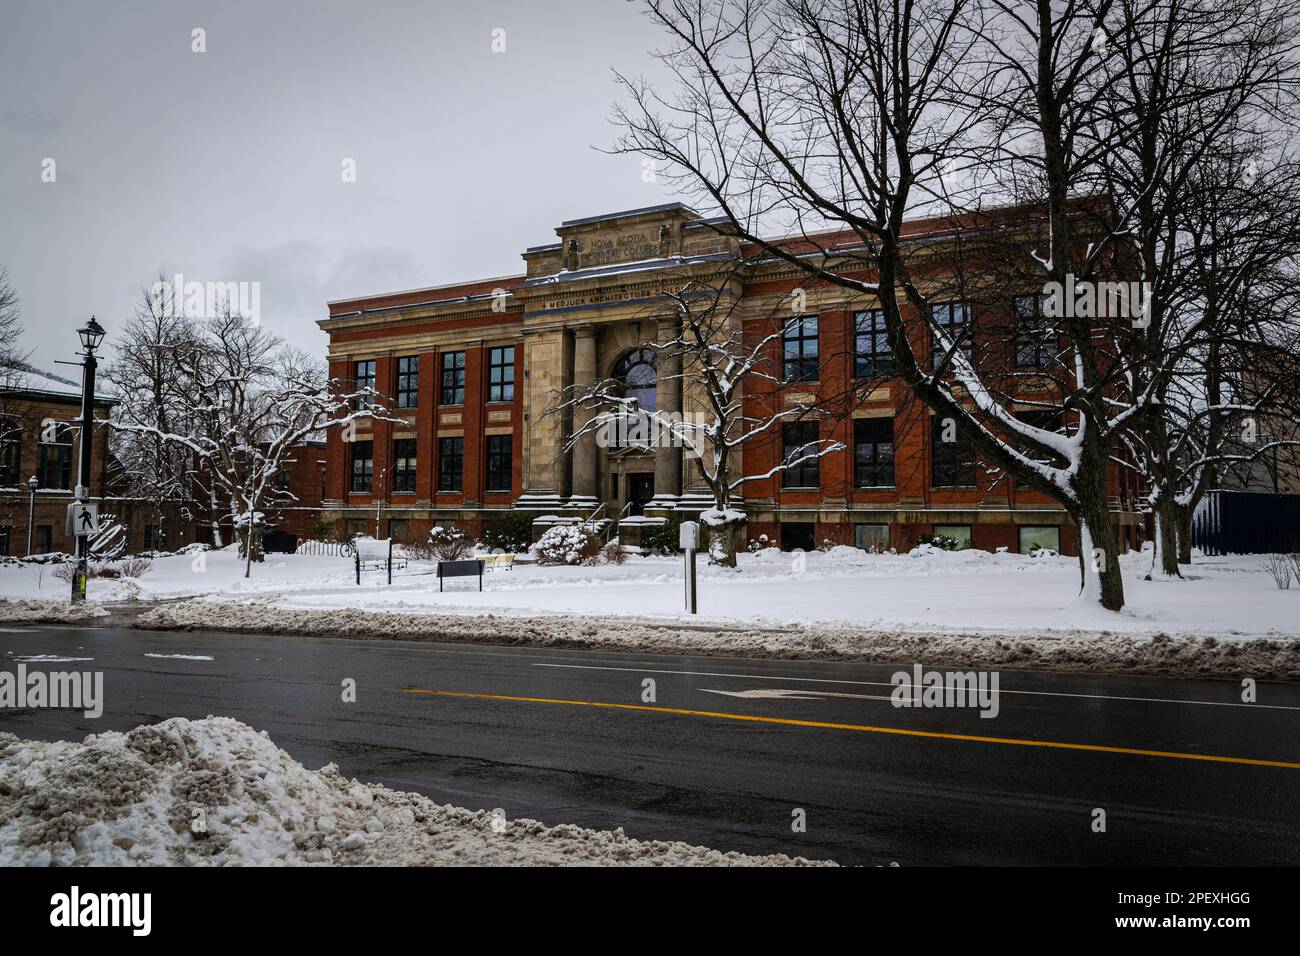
(226, 165)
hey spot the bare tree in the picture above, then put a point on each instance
(845, 119)
(246, 400)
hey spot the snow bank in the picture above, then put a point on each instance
(216, 792)
(49, 612)
(1096, 652)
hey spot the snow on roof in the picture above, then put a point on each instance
(28, 379)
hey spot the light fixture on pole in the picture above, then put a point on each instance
(91, 334)
(32, 483)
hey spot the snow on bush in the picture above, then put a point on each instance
(449, 544)
(567, 544)
(216, 792)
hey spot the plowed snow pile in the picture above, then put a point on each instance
(217, 792)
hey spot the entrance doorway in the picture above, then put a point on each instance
(640, 489)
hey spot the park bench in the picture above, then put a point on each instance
(376, 554)
(460, 569)
(497, 562)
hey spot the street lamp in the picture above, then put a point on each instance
(91, 334)
(33, 483)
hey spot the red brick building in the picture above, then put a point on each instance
(473, 373)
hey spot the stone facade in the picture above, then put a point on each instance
(583, 303)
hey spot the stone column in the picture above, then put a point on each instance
(668, 398)
(584, 449)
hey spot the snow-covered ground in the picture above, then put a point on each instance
(216, 792)
(968, 591)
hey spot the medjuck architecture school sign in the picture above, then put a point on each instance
(473, 373)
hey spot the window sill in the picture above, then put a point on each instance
(954, 487)
(875, 487)
(801, 487)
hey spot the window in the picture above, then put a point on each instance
(356, 527)
(403, 465)
(871, 537)
(799, 350)
(363, 376)
(954, 319)
(635, 373)
(1042, 536)
(798, 536)
(453, 378)
(613, 486)
(958, 532)
(1035, 333)
(44, 538)
(498, 462)
(952, 462)
(408, 381)
(283, 480)
(363, 465)
(871, 352)
(873, 452)
(451, 461)
(398, 529)
(4, 542)
(54, 467)
(11, 443)
(501, 374)
(153, 539)
(799, 439)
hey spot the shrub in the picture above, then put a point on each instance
(65, 572)
(133, 567)
(512, 533)
(614, 553)
(662, 539)
(568, 544)
(449, 544)
(943, 542)
(1277, 565)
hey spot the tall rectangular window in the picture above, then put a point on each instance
(451, 463)
(499, 457)
(453, 378)
(501, 374)
(952, 456)
(1035, 332)
(872, 355)
(873, 452)
(54, 459)
(11, 443)
(404, 464)
(954, 319)
(363, 465)
(799, 350)
(408, 381)
(363, 377)
(799, 439)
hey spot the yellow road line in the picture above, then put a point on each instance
(936, 735)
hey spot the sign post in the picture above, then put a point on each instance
(688, 538)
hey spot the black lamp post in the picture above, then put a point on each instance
(91, 334)
(32, 483)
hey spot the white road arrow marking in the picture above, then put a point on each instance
(776, 693)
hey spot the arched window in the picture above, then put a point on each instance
(635, 373)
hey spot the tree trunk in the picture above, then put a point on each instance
(722, 543)
(1164, 560)
(1101, 579)
(1184, 513)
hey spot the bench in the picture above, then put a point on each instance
(376, 554)
(497, 562)
(460, 569)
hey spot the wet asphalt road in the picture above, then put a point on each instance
(692, 768)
